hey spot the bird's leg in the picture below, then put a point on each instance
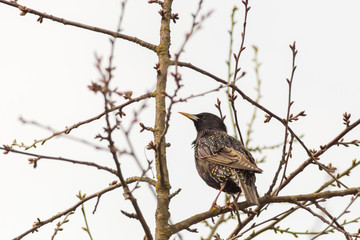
(221, 189)
(237, 208)
(235, 201)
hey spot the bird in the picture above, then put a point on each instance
(221, 160)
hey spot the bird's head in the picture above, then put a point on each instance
(206, 121)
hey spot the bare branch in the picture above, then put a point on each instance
(68, 129)
(334, 219)
(258, 97)
(59, 224)
(74, 207)
(38, 157)
(232, 97)
(263, 200)
(300, 169)
(284, 159)
(285, 214)
(347, 235)
(319, 153)
(108, 136)
(185, 99)
(50, 129)
(228, 63)
(42, 16)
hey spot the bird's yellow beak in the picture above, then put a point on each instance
(190, 116)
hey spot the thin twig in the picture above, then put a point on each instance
(273, 218)
(74, 207)
(318, 154)
(219, 221)
(132, 149)
(286, 122)
(324, 220)
(185, 99)
(195, 26)
(228, 63)
(50, 129)
(39, 157)
(326, 212)
(59, 224)
(68, 129)
(237, 56)
(257, 99)
(86, 228)
(338, 217)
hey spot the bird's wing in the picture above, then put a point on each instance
(228, 157)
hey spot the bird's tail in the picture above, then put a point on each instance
(250, 193)
(246, 182)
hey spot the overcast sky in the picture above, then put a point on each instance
(45, 70)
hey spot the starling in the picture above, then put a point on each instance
(221, 160)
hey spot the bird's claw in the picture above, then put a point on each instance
(214, 205)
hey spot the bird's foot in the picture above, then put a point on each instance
(214, 205)
(235, 205)
(232, 205)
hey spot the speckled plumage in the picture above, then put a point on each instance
(221, 160)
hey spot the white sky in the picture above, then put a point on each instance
(45, 70)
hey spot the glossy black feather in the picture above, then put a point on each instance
(221, 159)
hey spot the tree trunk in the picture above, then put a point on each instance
(162, 231)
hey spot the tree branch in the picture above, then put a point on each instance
(285, 214)
(263, 200)
(38, 157)
(74, 207)
(300, 169)
(41, 15)
(76, 125)
(110, 128)
(318, 153)
(232, 97)
(285, 155)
